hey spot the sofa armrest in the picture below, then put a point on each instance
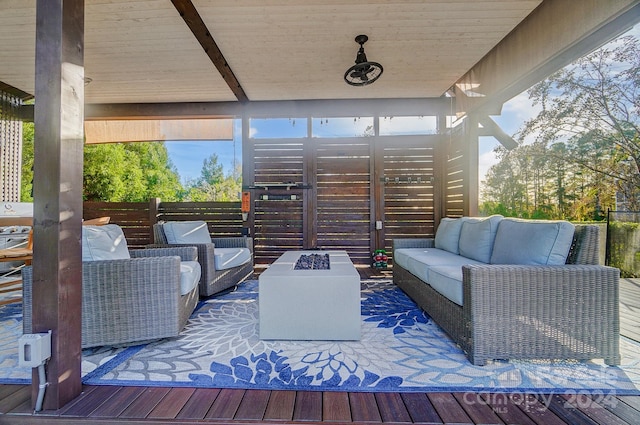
(185, 252)
(565, 308)
(413, 243)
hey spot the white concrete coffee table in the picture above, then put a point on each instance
(310, 304)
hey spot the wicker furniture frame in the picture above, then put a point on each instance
(213, 281)
(528, 312)
(129, 301)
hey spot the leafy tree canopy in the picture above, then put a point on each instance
(586, 141)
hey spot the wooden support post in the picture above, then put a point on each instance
(471, 155)
(58, 150)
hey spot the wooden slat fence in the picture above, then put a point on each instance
(137, 218)
(347, 185)
(409, 188)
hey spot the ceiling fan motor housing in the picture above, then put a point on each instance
(363, 72)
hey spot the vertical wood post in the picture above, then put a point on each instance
(310, 196)
(58, 150)
(248, 173)
(471, 154)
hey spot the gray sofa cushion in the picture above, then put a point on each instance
(447, 280)
(419, 261)
(448, 234)
(477, 237)
(532, 242)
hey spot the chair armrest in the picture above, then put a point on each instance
(413, 243)
(186, 252)
(234, 242)
(123, 301)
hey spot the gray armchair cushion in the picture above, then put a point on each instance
(189, 276)
(228, 258)
(185, 232)
(103, 243)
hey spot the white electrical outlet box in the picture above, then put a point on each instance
(34, 349)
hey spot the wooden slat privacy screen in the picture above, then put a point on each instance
(341, 187)
(350, 184)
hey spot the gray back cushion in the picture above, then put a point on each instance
(103, 243)
(185, 232)
(477, 237)
(448, 234)
(532, 242)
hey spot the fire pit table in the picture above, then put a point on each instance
(311, 302)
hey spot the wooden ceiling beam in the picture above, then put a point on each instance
(272, 109)
(197, 26)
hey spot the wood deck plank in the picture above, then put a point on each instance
(564, 411)
(506, 407)
(253, 405)
(592, 409)
(226, 404)
(538, 411)
(8, 389)
(448, 408)
(364, 407)
(89, 401)
(280, 407)
(335, 407)
(392, 408)
(172, 403)
(308, 406)
(117, 403)
(624, 411)
(14, 399)
(479, 412)
(145, 403)
(420, 408)
(199, 404)
(630, 308)
(632, 400)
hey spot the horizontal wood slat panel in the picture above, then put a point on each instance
(408, 204)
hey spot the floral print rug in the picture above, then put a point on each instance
(401, 349)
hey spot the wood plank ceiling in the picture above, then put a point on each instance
(143, 51)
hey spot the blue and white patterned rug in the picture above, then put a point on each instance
(401, 349)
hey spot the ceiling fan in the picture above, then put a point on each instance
(363, 72)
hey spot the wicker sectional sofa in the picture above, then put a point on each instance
(515, 289)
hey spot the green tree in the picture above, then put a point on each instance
(129, 172)
(586, 141)
(26, 183)
(213, 184)
(595, 101)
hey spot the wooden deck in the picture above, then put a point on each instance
(179, 405)
(165, 405)
(630, 308)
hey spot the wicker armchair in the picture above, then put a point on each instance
(528, 312)
(129, 301)
(212, 281)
